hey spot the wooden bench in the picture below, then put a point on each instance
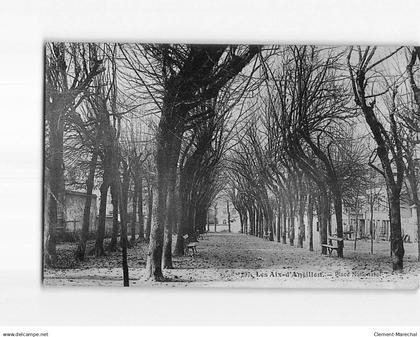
(267, 235)
(199, 235)
(347, 235)
(190, 244)
(330, 247)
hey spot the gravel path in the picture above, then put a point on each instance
(236, 260)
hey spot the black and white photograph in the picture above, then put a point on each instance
(210, 168)
(231, 165)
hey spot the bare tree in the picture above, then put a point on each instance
(389, 146)
(412, 121)
(69, 71)
(188, 75)
(306, 97)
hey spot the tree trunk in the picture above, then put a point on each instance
(412, 179)
(251, 220)
(278, 224)
(228, 214)
(245, 218)
(50, 244)
(397, 246)
(310, 222)
(134, 213)
(112, 247)
(215, 217)
(338, 209)
(418, 229)
(248, 211)
(185, 208)
(301, 235)
(272, 226)
(149, 212)
(329, 220)
(323, 220)
(81, 248)
(100, 235)
(170, 221)
(371, 225)
(47, 195)
(123, 201)
(140, 208)
(356, 225)
(284, 231)
(57, 190)
(179, 244)
(257, 223)
(167, 154)
(154, 255)
(292, 225)
(265, 222)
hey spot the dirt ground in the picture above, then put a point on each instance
(237, 260)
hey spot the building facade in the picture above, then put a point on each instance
(74, 209)
(217, 218)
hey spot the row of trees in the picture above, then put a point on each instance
(308, 150)
(280, 130)
(134, 113)
(89, 144)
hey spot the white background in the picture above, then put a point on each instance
(26, 25)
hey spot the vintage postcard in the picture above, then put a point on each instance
(186, 165)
